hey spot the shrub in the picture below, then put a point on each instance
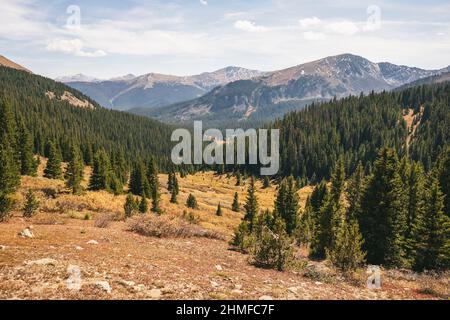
(273, 247)
(192, 202)
(103, 220)
(6, 205)
(169, 227)
(31, 205)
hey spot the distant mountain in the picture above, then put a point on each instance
(10, 64)
(77, 78)
(273, 94)
(439, 78)
(155, 90)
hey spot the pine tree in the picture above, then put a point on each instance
(31, 205)
(355, 190)
(53, 169)
(266, 183)
(346, 253)
(383, 212)
(235, 207)
(74, 171)
(238, 178)
(101, 172)
(191, 202)
(130, 206)
(139, 184)
(28, 164)
(120, 167)
(415, 206)
(434, 231)
(116, 184)
(170, 182)
(443, 171)
(332, 214)
(251, 205)
(143, 205)
(286, 204)
(173, 196)
(219, 210)
(152, 176)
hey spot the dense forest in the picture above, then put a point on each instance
(357, 127)
(57, 120)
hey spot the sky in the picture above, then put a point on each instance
(106, 39)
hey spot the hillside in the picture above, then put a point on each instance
(52, 110)
(154, 90)
(115, 263)
(10, 64)
(270, 96)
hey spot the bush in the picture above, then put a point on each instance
(169, 227)
(191, 202)
(103, 220)
(273, 247)
(6, 205)
(31, 205)
(243, 239)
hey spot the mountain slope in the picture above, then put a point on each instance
(271, 95)
(154, 90)
(49, 116)
(10, 64)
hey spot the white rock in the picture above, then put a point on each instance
(104, 285)
(265, 298)
(26, 233)
(3, 247)
(79, 248)
(293, 289)
(42, 262)
(318, 283)
(155, 294)
(93, 242)
(214, 284)
(74, 280)
(238, 286)
(219, 267)
(236, 291)
(126, 283)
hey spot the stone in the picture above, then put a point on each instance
(265, 298)
(126, 283)
(26, 233)
(3, 247)
(103, 285)
(155, 294)
(219, 267)
(42, 262)
(74, 280)
(92, 242)
(237, 291)
(79, 248)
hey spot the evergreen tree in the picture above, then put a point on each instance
(191, 202)
(31, 204)
(238, 178)
(443, 169)
(130, 206)
(251, 205)
(383, 212)
(28, 164)
(152, 176)
(346, 253)
(266, 183)
(74, 171)
(415, 196)
(116, 184)
(286, 204)
(219, 210)
(434, 231)
(120, 167)
(53, 169)
(236, 207)
(101, 172)
(143, 205)
(332, 214)
(355, 190)
(173, 196)
(139, 184)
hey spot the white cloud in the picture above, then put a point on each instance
(249, 26)
(310, 22)
(311, 35)
(73, 46)
(342, 27)
(204, 2)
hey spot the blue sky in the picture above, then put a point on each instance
(114, 38)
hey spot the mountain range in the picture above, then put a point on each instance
(269, 96)
(153, 90)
